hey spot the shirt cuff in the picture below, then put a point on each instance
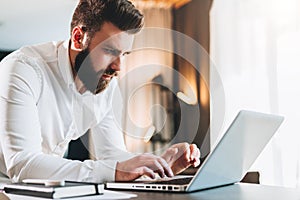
(104, 171)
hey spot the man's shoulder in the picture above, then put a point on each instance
(31, 53)
(44, 51)
(30, 60)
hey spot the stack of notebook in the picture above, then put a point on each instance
(67, 189)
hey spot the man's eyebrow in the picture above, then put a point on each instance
(117, 50)
(112, 48)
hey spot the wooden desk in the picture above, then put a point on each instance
(241, 191)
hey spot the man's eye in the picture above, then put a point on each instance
(111, 51)
(126, 53)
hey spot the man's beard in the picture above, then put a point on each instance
(91, 79)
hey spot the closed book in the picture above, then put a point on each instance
(70, 189)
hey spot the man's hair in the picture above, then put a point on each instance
(91, 14)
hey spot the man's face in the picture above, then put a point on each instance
(100, 59)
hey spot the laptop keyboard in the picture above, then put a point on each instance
(178, 181)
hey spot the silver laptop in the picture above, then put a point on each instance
(227, 163)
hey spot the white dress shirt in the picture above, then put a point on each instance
(41, 112)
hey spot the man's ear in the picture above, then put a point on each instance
(77, 38)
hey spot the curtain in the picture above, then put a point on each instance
(145, 74)
(255, 48)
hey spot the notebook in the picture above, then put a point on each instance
(228, 161)
(68, 189)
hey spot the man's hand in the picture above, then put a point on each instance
(145, 164)
(181, 156)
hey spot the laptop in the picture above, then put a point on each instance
(228, 161)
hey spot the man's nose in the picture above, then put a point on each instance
(116, 64)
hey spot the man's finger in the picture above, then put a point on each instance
(196, 162)
(170, 154)
(166, 167)
(146, 171)
(158, 168)
(195, 152)
(187, 154)
(195, 155)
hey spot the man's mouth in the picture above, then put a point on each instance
(106, 77)
(108, 74)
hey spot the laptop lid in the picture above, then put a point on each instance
(237, 150)
(228, 161)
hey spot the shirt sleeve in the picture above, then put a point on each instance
(20, 132)
(107, 137)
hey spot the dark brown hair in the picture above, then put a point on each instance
(91, 14)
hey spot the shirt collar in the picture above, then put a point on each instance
(64, 63)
